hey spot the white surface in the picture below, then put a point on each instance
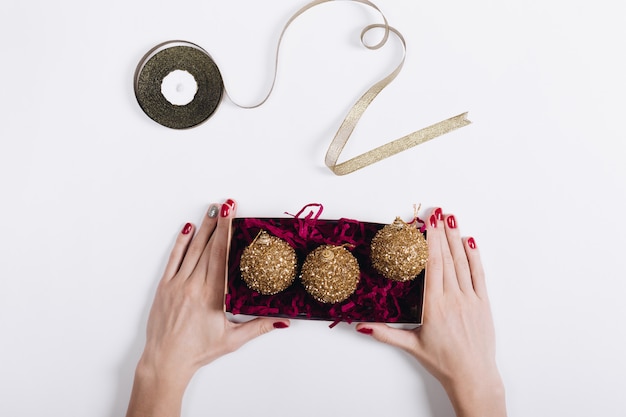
(94, 193)
(179, 87)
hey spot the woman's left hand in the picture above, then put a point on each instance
(187, 326)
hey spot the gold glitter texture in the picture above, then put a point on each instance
(399, 251)
(330, 274)
(161, 61)
(268, 264)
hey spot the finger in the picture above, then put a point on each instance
(205, 258)
(242, 333)
(178, 252)
(450, 282)
(438, 247)
(459, 257)
(434, 266)
(476, 267)
(404, 339)
(217, 256)
(199, 241)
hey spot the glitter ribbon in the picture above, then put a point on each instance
(356, 112)
(354, 115)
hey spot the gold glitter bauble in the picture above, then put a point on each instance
(399, 251)
(330, 274)
(268, 264)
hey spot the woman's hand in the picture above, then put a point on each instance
(187, 327)
(456, 342)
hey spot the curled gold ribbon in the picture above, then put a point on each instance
(354, 115)
(175, 54)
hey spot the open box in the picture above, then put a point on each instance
(376, 299)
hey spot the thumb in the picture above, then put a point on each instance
(244, 332)
(403, 339)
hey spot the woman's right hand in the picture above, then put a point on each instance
(456, 342)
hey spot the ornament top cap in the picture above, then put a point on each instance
(398, 223)
(327, 254)
(263, 238)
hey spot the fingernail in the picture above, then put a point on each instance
(451, 222)
(433, 220)
(365, 330)
(213, 210)
(438, 213)
(187, 228)
(280, 325)
(471, 243)
(225, 210)
(231, 203)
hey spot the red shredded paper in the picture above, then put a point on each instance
(377, 299)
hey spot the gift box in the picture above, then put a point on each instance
(376, 298)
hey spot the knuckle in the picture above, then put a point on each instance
(219, 252)
(189, 293)
(435, 263)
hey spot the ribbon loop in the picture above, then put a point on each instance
(160, 61)
(354, 114)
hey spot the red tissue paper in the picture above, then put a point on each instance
(376, 299)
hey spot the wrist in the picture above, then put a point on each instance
(157, 391)
(157, 369)
(478, 397)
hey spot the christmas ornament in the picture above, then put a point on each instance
(268, 264)
(399, 251)
(330, 274)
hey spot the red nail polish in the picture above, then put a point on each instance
(225, 210)
(471, 243)
(451, 222)
(438, 213)
(280, 325)
(187, 229)
(433, 220)
(365, 330)
(231, 203)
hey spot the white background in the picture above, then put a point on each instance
(94, 192)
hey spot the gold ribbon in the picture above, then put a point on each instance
(354, 115)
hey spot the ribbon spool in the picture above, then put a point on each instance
(178, 85)
(160, 63)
